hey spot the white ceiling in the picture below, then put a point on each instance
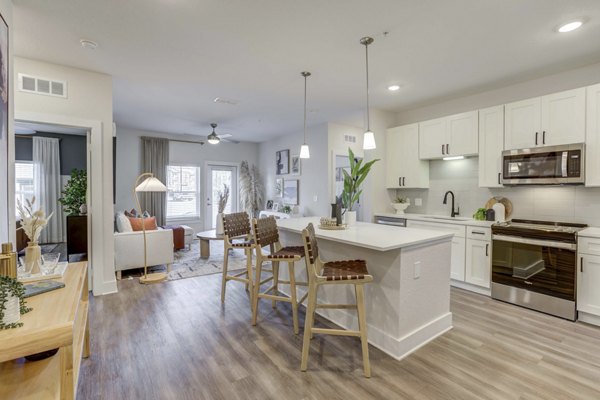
(171, 58)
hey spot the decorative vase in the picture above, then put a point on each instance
(33, 258)
(12, 310)
(350, 217)
(400, 207)
(83, 209)
(219, 224)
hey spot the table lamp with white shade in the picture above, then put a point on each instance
(150, 184)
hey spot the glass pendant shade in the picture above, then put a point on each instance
(304, 152)
(369, 141)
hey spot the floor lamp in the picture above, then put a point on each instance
(150, 184)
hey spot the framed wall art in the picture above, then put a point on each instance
(279, 187)
(290, 192)
(4, 100)
(282, 162)
(295, 168)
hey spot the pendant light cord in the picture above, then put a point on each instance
(367, 69)
(305, 76)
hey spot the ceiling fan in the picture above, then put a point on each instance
(213, 138)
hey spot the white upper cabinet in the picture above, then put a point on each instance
(522, 124)
(404, 169)
(455, 135)
(432, 138)
(550, 120)
(592, 140)
(491, 143)
(461, 135)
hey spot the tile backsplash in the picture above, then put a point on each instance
(553, 203)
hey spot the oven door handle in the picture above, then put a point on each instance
(535, 242)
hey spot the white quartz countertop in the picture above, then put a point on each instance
(442, 219)
(590, 232)
(366, 234)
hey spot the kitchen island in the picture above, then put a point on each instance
(408, 302)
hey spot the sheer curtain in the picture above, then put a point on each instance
(155, 158)
(46, 159)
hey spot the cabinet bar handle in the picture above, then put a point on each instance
(400, 181)
(443, 149)
(478, 233)
(581, 265)
(487, 246)
(499, 178)
(544, 137)
(536, 138)
(447, 148)
(403, 181)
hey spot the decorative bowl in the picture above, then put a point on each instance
(400, 207)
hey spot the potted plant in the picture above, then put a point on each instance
(12, 303)
(352, 182)
(73, 196)
(223, 199)
(400, 204)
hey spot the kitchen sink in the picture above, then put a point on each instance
(449, 218)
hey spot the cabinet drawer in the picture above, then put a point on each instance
(458, 230)
(479, 233)
(589, 245)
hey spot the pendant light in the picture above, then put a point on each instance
(368, 137)
(304, 151)
(213, 138)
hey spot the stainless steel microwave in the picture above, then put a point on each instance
(550, 165)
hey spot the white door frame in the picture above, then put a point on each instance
(100, 202)
(204, 189)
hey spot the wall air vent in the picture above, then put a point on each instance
(349, 138)
(47, 87)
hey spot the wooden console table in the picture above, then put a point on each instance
(59, 320)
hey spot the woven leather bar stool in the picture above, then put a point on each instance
(237, 235)
(352, 272)
(266, 234)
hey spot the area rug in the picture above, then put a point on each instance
(188, 264)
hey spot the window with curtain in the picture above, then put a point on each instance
(24, 182)
(183, 192)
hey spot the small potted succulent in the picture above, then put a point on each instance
(400, 204)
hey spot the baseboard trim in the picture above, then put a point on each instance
(588, 318)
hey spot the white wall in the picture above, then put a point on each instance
(7, 200)
(89, 104)
(313, 180)
(129, 155)
(565, 80)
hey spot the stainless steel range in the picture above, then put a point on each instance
(534, 265)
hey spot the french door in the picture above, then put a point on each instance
(217, 176)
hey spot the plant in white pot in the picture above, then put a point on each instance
(32, 223)
(223, 199)
(400, 204)
(12, 303)
(352, 182)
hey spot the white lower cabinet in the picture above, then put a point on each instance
(588, 280)
(477, 271)
(457, 267)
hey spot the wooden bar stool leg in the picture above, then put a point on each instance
(293, 295)
(308, 324)
(362, 323)
(275, 265)
(256, 290)
(249, 285)
(224, 280)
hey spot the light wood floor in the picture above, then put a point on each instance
(175, 341)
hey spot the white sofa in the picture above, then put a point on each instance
(129, 249)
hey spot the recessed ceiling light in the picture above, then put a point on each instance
(571, 26)
(88, 44)
(393, 88)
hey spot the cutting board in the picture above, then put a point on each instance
(506, 202)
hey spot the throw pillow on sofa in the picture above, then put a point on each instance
(123, 224)
(149, 223)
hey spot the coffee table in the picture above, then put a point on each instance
(205, 238)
